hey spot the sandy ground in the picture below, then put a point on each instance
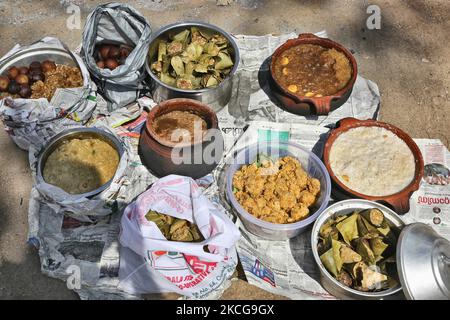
(408, 58)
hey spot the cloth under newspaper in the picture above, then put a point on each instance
(33, 121)
(66, 245)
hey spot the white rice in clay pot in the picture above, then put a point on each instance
(372, 161)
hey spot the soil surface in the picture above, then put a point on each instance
(408, 57)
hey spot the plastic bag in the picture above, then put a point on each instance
(33, 121)
(119, 24)
(151, 263)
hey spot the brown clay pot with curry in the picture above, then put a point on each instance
(182, 137)
(312, 75)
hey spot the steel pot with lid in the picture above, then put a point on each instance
(423, 258)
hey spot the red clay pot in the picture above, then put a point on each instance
(301, 105)
(157, 153)
(398, 201)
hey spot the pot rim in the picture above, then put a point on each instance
(309, 38)
(392, 216)
(203, 110)
(190, 23)
(350, 123)
(73, 132)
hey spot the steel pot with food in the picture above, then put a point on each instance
(81, 161)
(312, 75)
(354, 244)
(365, 251)
(193, 60)
(181, 136)
(37, 73)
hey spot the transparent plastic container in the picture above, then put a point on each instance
(276, 149)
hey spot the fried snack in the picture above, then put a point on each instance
(61, 77)
(276, 191)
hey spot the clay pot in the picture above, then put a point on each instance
(193, 159)
(398, 201)
(304, 106)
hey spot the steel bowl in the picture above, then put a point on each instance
(216, 97)
(26, 56)
(78, 133)
(327, 280)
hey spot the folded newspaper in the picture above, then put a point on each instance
(87, 255)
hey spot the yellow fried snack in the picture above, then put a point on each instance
(277, 192)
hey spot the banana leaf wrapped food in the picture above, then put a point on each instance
(193, 59)
(175, 229)
(357, 249)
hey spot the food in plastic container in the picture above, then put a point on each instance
(277, 191)
(277, 149)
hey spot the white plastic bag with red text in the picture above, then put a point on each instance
(150, 263)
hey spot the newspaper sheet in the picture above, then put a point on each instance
(86, 255)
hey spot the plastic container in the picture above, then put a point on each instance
(276, 149)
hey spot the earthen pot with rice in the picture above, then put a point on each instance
(182, 137)
(307, 103)
(396, 199)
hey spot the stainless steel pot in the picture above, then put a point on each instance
(77, 133)
(327, 280)
(216, 97)
(423, 258)
(26, 56)
(423, 261)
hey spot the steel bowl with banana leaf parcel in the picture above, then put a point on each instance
(332, 285)
(78, 133)
(216, 97)
(422, 257)
(26, 56)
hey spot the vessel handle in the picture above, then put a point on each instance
(307, 36)
(401, 205)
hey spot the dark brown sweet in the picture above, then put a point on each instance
(13, 87)
(111, 64)
(25, 91)
(36, 76)
(4, 82)
(104, 51)
(48, 65)
(124, 52)
(13, 72)
(23, 70)
(22, 79)
(35, 65)
(114, 52)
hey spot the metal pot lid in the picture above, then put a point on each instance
(423, 262)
